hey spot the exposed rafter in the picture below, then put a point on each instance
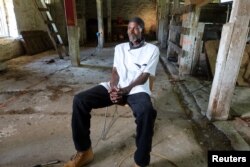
(198, 2)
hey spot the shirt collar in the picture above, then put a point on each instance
(138, 46)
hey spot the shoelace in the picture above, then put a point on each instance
(77, 155)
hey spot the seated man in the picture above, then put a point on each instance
(134, 62)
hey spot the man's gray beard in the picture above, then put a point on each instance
(133, 38)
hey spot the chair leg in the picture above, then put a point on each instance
(106, 128)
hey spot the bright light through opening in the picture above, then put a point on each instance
(12, 19)
(48, 1)
(222, 1)
(8, 25)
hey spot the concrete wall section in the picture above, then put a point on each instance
(10, 48)
(27, 16)
(126, 10)
(130, 8)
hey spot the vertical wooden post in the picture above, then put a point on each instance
(157, 17)
(232, 45)
(100, 34)
(190, 21)
(73, 32)
(109, 20)
(197, 46)
(176, 4)
(84, 21)
(169, 50)
(163, 22)
(74, 49)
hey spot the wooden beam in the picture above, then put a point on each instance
(184, 9)
(83, 34)
(197, 46)
(170, 34)
(72, 31)
(198, 3)
(109, 2)
(188, 43)
(74, 49)
(232, 45)
(201, 3)
(99, 4)
(70, 12)
(176, 4)
(179, 29)
(175, 47)
(163, 8)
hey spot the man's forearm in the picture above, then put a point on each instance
(139, 81)
(114, 78)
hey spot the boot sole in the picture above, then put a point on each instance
(87, 162)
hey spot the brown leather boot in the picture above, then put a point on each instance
(136, 165)
(81, 158)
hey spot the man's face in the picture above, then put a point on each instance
(134, 31)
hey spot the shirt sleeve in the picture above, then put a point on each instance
(116, 60)
(152, 63)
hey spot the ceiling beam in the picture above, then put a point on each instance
(203, 2)
(199, 3)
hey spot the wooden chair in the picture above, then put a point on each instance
(116, 115)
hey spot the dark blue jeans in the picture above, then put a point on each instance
(98, 97)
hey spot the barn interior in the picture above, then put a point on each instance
(52, 49)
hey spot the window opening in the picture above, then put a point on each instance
(8, 26)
